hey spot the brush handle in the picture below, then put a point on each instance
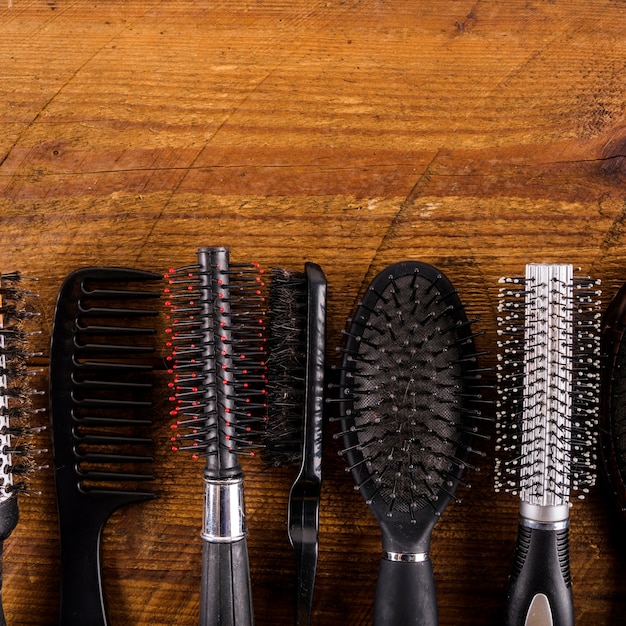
(405, 594)
(9, 516)
(225, 590)
(540, 590)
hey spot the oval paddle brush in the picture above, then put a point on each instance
(409, 402)
(548, 388)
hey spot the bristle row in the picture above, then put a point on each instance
(548, 377)
(217, 341)
(16, 451)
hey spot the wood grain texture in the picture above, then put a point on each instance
(476, 135)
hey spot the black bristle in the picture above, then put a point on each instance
(286, 367)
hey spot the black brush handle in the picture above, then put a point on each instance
(225, 590)
(540, 591)
(405, 594)
(9, 516)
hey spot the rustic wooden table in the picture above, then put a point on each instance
(477, 136)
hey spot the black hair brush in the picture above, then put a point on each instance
(613, 431)
(409, 409)
(293, 435)
(548, 386)
(16, 407)
(217, 337)
(100, 399)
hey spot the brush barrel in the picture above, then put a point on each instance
(405, 591)
(540, 588)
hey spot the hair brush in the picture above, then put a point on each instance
(613, 431)
(16, 451)
(293, 435)
(100, 399)
(217, 337)
(548, 395)
(409, 403)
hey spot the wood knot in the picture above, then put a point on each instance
(614, 156)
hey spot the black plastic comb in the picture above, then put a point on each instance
(409, 405)
(100, 396)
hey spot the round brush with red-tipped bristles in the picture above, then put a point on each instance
(217, 340)
(16, 451)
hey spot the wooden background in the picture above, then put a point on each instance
(477, 135)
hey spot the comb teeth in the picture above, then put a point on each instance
(548, 382)
(100, 369)
(217, 340)
(16, 451)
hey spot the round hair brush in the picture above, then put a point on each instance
(548, 369)
(409, 402)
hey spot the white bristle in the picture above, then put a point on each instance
(548, 384)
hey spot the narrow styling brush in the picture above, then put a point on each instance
(293, 435)
(100, 400)
(548, 387)
(409, 405)
(16, 407)
(217, 338)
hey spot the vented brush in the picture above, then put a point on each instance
(100, 399)
(548, 399)
(218, 367)
(296, 357)
(16, 409)
(410, 397)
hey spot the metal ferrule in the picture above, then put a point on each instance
(544, 517)
(224, 513)
(400, 557)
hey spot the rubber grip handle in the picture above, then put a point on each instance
(225, 589)
(405, 594)
(9, 516)
(540, 589)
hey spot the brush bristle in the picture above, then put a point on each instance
(218, 344)
(16, 406)
(409, 395)
(548, 384)
(286, 367)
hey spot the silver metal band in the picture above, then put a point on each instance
(224, 513)
(544, 517)
(399, 557)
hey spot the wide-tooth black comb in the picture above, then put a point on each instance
(100, 396)
(218, 366)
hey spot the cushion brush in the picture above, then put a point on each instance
(409, 403)
(217, 338)
(548, 368)
(100, 408)
(293, 435)
(16, 408)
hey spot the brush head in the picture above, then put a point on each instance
(16, 394)
(409, 395)
(613, 415)
(286, 367)
(101, 361)
(217, 340)
(548, 379)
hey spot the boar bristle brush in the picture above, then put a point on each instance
(217, 338)
(16, 407)
(100, 408)
(548, 386)
(293, 435)
(410, 409)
